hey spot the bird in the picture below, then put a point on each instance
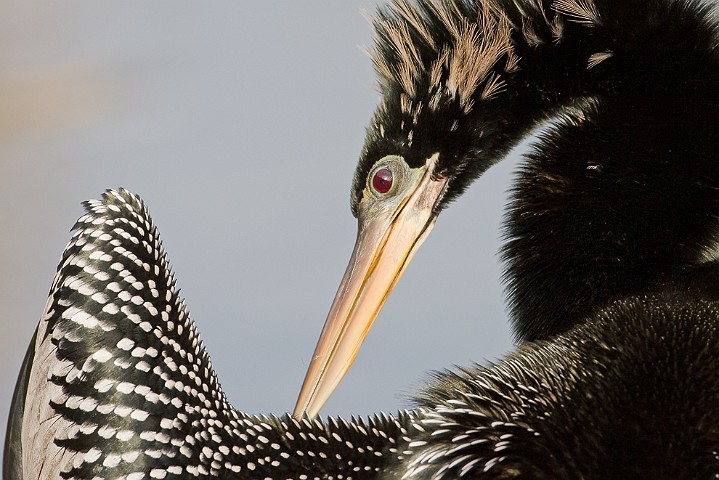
(611, 253)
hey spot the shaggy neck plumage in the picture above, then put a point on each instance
(621, 195)
(620, 192)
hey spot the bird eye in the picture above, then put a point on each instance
(382, 180)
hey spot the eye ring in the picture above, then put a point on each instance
(387, 176)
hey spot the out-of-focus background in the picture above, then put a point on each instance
(239, 124)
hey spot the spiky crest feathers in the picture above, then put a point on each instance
(428, 48)
(438, 61)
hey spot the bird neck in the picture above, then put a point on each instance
(620, 193)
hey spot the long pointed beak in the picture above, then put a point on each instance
(386, 242)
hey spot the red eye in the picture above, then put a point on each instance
(382, 180)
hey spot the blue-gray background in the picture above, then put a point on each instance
(239, 123)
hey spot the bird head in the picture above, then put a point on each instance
(436, 129)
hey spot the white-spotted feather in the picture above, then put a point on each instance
(120, 385)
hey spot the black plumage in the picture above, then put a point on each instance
(618, 193)
(611, 271)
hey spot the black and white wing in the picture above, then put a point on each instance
(117, 384)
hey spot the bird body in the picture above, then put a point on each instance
(611, 251)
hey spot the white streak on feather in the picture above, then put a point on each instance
(584, 12)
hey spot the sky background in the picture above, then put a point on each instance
(240, 125)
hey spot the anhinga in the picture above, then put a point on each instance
(611, 255)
